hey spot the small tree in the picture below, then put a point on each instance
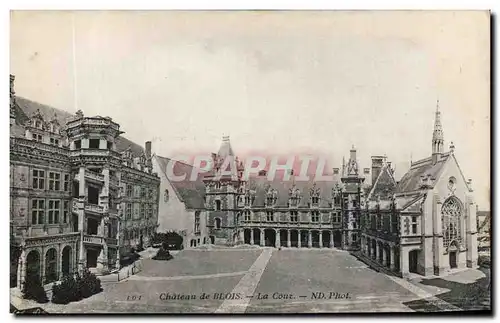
(66, 291)
(33, 289)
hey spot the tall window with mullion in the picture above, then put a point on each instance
(54, 181)
(197, 222)
(37, 211)
(38, 177)
(54, 210)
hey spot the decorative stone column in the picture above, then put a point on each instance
(288, 242)
(384, 257)
(299, 242)
(331, 239)
(377, 251)
(278, 239)
(21, 269)
(393, 260)
(262, 242)
(251, 237)
(309, 239)
(321, 239)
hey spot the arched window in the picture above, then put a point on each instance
(50, 266)
(217, 223)
(451, 216)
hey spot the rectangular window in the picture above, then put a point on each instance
(142, 211)
(78, 144)
(336, 200)
(54, 209)
(354, 203)
(315, 200)
(336, 217)
(269, 216)
(37, 137)
(414, 225)
(394, 223)
(65, 211)
(66, 183)
(37, 211)
(54, 181)
(143, 192)
(129, 190)
(315, 216)
(128, 211)
(94, 143)
(38, 179)
(294, 216)
(354, 237)
(247, 215)
(197, 222)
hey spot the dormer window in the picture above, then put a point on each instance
(315, 200)
(37, 137)
(54, 141)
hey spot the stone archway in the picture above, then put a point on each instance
(66, 266)
(304, 238)
(51, 266)
(270, 237)
(283, 238)
(247, 236)
(337, 239)
(374, 249)
(256, 236)
(315, 239)
(326, 239)
(33, 264)
(294, 238)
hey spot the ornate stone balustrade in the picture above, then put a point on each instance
(16, 142)
(94, 208)
(93, 239)
(94, 176)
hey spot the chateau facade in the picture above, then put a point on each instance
(81, 194)
(303, 214)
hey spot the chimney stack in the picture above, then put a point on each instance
(377, 162)
(148, 149)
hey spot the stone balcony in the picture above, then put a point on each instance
(94, 209)
(92, 176)
(93, 239)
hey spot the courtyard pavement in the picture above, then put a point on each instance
(255, 280)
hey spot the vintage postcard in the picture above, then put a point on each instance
(233, 162)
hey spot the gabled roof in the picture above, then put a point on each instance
(384, 185)
(259, 185)
(411, 181)
(25, 109)
(191, 193)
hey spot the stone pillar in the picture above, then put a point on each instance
(288, 242)
(393, 260)
(21, 269)
(321, 239)
(403, 258)
(251, 237)
(437, 227)
(331, 239)
(384, 257)
(278, 239)
(377, 251)
(299, 243)
(118, 235)
(309, 239)
(81, 218)
(262, 242)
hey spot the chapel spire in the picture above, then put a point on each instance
(437, 136)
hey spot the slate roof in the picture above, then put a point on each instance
(191, 193)
(260, 184)
(411, 180)
(26, 108)
(384, 185)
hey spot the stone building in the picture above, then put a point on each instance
(426, 222)
(303, 214)
(182, 202)
(81, 194)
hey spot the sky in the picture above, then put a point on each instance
(275, 82)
